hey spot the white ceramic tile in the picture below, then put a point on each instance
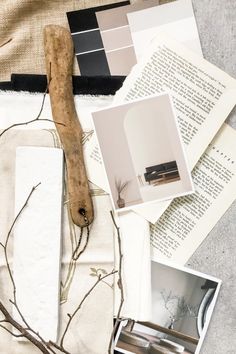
(37, 237)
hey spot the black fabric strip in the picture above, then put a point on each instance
(83, 20)
(82, 85)
(28, 82)
(6, 86)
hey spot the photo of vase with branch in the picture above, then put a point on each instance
(177, 307)
(120, 187)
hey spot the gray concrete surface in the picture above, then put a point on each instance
(216, 21)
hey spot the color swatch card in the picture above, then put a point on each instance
(116, 36)
(87, 40)
(175, 18)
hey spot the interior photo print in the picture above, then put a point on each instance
(181, 308)
(142, 151)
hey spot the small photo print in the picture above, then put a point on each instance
(182, 304)
(142, 151)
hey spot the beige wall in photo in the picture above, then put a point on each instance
(156, 140)
(115, 153)
(139, 135)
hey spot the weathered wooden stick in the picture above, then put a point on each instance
(59, 63)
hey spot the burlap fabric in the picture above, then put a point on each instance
(23, 22)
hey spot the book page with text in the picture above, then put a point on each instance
(188, 220)
(203, 97)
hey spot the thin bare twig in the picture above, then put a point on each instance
(71, 317)
(13, 334)
(46, 347)
(22, 330)
(99, 271)
(27, 332)
(5, 42)
(120, 285)
(8, 237)
(75, 255)
(78, 244)
(72, 266)
(63, 350)
(14, 302)
(35, 119)
(65, 286)
(35, 338)
(29, 122)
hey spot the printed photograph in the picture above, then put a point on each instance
(142, 151)
(182, 305)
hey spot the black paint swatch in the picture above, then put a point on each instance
(87, 39)
(83, 20)
(93, 63)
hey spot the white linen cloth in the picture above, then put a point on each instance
(83, 336)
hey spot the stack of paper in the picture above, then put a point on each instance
(169, 59)
(168, 53)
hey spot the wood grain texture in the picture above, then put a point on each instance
(59, 56)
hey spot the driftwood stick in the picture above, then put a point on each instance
(59, 62)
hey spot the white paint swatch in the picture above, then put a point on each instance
(174, 18)
(37, 237)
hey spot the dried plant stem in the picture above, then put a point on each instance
(13, 334)
(5, 42)
(65, 286)
(71, 316)
(77, 254)
(14, 302)
(8, 318)
(46, 347)
(25, 330)
(120, 285)
(8, 237)
(33, 120)
(22, 330)
(63, 350)
(74, 252)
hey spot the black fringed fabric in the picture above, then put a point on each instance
(82, 85)
(5, 86)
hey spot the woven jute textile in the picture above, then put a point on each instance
(22, 22)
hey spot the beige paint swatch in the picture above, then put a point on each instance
(116, 36)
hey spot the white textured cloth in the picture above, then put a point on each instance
(100, 252)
